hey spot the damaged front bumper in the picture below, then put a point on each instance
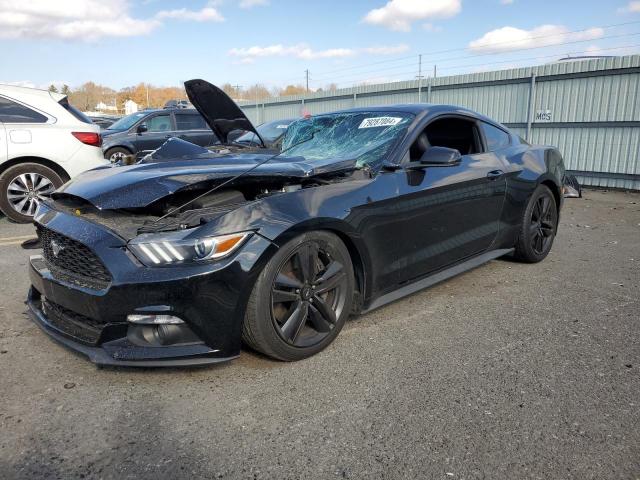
(209, 299)
(121, 351)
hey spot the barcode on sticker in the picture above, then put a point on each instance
(379, 122)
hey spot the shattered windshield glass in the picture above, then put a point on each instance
(362, 136)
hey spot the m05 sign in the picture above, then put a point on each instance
(543, 116)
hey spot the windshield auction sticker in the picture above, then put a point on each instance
(379, 122)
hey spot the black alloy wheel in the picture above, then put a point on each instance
(308, 295)
(542, 226)
(301, 299)
(539, 226)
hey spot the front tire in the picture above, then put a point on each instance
(539, 226)
(23, 186)
(301, 299)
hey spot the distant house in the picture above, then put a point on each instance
(103, 107)
(130, 107)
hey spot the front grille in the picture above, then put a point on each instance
(81, 328)
(71, 261)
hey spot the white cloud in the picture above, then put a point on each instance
(304, 52)
(386, 50)
(632, 7)
(206, 14)
(253, 3)
(510, 38)
(20, 83)
(87, 20)
(72, 19)
(430, 27)
(593, 50)
(399, 14)
(43, 86)
(506, 2)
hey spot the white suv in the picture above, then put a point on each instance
(44, 141)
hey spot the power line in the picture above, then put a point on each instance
(395, 67)
(425, 54)
(537, 57)
(412, 72)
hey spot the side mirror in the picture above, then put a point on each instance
(142, 128)
(440, 156)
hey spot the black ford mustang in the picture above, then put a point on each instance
(178, 259)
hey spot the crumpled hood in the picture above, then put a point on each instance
(140, 185)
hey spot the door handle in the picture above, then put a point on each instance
(494, 174)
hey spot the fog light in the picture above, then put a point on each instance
(154, 319)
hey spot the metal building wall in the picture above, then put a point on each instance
(594, 105)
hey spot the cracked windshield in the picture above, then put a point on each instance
(366, 137)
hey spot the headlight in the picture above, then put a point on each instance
(180, 247)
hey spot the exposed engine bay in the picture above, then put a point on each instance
(188, 207)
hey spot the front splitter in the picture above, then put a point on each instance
(117, 354)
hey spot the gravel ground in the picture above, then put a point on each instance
(508, 371)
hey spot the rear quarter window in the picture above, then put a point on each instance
(74, 111)
(13, 112)
(496, 138)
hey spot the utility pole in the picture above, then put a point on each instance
(306, 73)
(237, 89)
(146, 85)
(257, 111)
(420, 78)
(435, 71)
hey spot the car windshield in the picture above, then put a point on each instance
(270, 132)
(366, 137)
(127, 122)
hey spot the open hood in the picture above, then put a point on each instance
(220, 112)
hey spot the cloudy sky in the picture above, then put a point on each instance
(120, 43)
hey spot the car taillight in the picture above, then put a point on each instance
(89, 138)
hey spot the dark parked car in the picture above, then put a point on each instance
(141, 132)
(271, 133)
(175, 263)
(177, 104)
(104, 122)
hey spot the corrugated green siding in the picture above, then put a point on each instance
(598, 90)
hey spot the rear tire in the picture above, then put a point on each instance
(116, 154)
(23, 186)
(539, 226)
(301, 299)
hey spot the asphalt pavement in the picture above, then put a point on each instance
(510, 371)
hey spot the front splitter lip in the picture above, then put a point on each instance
(100, 356)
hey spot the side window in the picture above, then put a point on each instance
(451, 132)
(190, 121)
(159, 123)
(496, 138)
(12, 112)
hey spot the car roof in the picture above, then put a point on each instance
(419, 108)
(174, 110)
(22, 93)
(286, 120)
